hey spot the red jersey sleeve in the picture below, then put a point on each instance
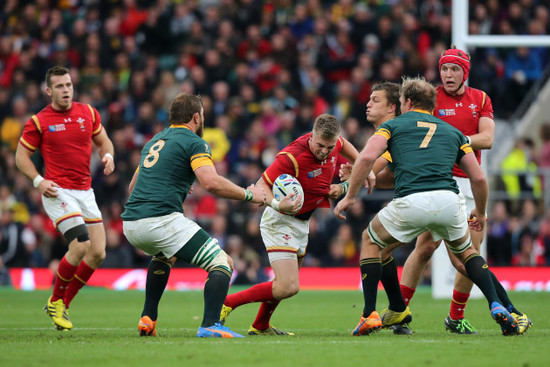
(283, 163)
(32, 134)
(486, 107)
(96, 118)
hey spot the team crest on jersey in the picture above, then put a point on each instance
(81, 123)
(473, 108)
(314, 173)
(287, 238)
(446, 112)
(58, 127)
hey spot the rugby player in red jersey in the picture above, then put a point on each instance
(63, 132)
(469, 110)
(312, 159)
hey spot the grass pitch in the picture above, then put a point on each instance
(105, 333)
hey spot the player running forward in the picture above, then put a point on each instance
(312, 160)
(469, 110)
(153, 219)
(423, 150)
(63, 132)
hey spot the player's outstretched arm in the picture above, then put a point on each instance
(220, 186)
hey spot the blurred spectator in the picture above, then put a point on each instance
(519, 170)
(523, 68)
(530, 253)
(544, 155)
(246, 262)
(12, 247)
(499, 241)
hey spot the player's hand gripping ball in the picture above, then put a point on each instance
(285, 185)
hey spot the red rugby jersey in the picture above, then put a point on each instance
(315, 176)
(463, 112)
(65, 141)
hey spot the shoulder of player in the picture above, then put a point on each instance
(476, 93)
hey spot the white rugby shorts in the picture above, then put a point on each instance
(72, 208)
(284, 236)
(466, 191)
(441, 212)
(166, 234)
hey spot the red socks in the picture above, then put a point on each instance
(65, 273)
(257, 293)
(262, 292)
(458, 304)
(407, 293)
(264, 314)
(81, 277)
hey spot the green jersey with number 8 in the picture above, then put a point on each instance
(423, 151)
(166, 173)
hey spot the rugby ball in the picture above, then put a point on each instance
(287, 184)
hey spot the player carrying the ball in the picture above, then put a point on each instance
(312, 160)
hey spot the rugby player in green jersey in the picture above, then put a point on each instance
(153, 218)
(423, 150)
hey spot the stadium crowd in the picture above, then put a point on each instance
(265, 69)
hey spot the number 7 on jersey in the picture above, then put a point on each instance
(429, 135)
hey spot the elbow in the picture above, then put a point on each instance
(479, 180)
(210, 185)
(365, 159)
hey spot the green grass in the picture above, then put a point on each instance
(105, 333)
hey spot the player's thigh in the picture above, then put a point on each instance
(286, 272)
(284, 237)
(88, 205)
(63, 210)
(396, 222)
(97, 237)
(166, 235)
(466, 192)
(450, 223)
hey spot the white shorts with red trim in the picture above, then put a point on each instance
(284, 236)
(72, 208)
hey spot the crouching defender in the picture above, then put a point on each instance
(153, 219)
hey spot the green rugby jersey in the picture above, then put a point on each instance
(166, 173)
(423, 151)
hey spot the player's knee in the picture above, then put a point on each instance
(426, 250)
(221, 261)
(230, 262)
(285, 290)
(78, 233)
(293, 290)
(98, 256)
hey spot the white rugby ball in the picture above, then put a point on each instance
(287, 184)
